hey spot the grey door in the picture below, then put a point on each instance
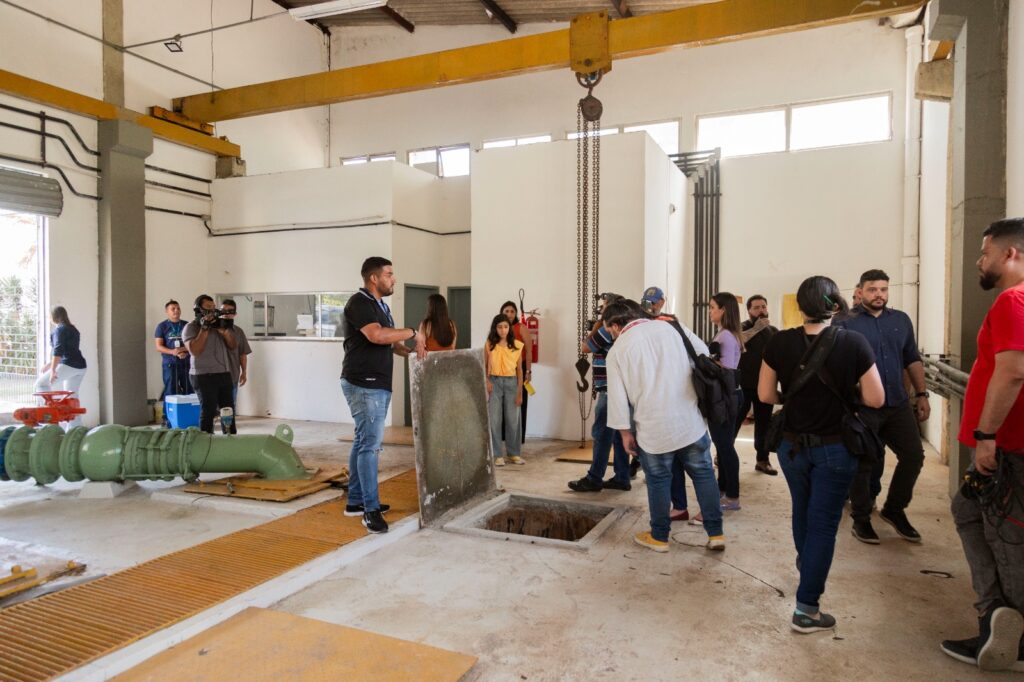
(416, 296)
(459, 311)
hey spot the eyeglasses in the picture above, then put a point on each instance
(227, 311)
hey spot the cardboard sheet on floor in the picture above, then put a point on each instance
(259, 644)
(574, 453)
(450, 428)
(249, 487)
(393, 435)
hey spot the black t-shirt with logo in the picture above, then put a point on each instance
(815, 409)
(366, 364)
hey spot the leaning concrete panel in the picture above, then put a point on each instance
(450, 431)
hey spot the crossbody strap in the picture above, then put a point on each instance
(686, 341)
(813, 359)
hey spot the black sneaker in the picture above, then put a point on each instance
(634, 468)
(358, 510)
(898, 520)
(586, 485)
(615, 485)
(863, 531)
(1000, 648)
(963, 650)
(374, 522)
(805, 624)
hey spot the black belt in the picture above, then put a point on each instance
(810, 440)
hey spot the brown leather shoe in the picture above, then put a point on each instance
(766, 468)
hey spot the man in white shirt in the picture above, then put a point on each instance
(650, 384)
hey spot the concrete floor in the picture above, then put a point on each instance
(616, 612)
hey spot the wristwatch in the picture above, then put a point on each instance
(981, 435)
(923, 394)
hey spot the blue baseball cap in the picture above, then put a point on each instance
(653, 295)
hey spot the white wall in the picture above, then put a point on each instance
(1015, 113)
(274, 48)
(298, 379)
(532, 244)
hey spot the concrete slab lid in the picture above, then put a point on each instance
(454, 466)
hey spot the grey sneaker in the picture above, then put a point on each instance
(805, 624)
(999, 650)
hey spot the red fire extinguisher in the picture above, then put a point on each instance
(532, 323)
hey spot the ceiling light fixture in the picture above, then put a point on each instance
(174, 44)
(329, 9)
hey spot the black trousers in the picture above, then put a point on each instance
(214, 391)
(762, 420)
(897, 427)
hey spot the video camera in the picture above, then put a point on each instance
(604, 298)
(213, 318)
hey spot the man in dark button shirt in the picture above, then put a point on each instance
(891, 336)
(757, 332)
(370, 341)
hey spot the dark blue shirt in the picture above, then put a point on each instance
(891, 336)
(65, 339)
(171, 333)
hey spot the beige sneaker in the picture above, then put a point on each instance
(499, 461)
(716, 543)
(516, 459)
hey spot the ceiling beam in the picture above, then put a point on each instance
(694, 26)
(501, 15)
(622, 8)
(398, 19)
(75, 103)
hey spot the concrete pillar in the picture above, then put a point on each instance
(113, 59)
(123, 337)
(978, 189)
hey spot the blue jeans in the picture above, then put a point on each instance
(369, 407)
(819, 480)
(696, 460)
(606, 439)
(503, 401)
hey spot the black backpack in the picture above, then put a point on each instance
(715, 385)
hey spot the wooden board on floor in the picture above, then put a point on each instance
(393, 435)
(249, 487)
(259, 644)
(574, 453)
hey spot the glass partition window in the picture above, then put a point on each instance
(666, 134)
(313, 315)
(759, 132)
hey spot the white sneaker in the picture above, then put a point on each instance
(499, 461)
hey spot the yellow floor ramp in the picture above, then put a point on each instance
(56, 633)
(258, 644)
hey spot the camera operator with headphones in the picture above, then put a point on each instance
(210, 342)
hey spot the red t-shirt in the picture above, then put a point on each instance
(1003, 330)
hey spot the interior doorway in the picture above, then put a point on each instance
(416, 296)
(460, 310)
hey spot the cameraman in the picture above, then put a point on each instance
(991, 524)
(211, 345)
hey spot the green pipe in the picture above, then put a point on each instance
(120, 453)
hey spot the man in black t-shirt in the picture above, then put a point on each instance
(370, 341)
(757, 332)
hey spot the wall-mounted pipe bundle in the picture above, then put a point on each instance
(121, 453)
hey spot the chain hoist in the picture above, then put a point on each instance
(588, 208)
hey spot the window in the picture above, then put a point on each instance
(854, 120)
(297, 315)
(666, 134)
(758, 132)
(23, 323)
(355, 160)
(851, 121)
(422, 157)
(454, 161)
(517, 141)
(601, 133)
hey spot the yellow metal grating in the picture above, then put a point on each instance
(54, 634)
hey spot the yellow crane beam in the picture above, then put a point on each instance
(693, 26)
(68, 100)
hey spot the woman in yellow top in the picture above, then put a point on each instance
(503, 360)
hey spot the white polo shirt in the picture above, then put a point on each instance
(649, 368)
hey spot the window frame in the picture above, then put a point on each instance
(263, 299)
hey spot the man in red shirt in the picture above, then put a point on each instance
(991, 522)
